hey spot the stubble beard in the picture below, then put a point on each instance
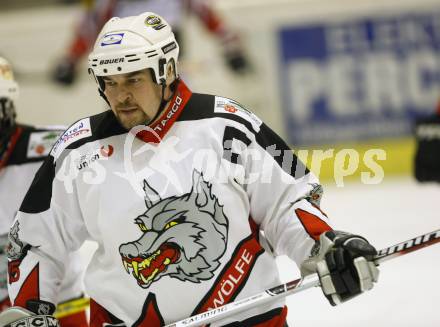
(140, 118)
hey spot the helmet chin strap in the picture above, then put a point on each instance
(163, 101)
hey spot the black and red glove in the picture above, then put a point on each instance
(344, 263)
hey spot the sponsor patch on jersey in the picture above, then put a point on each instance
(40, 143)
(77, 131)
(315, 195)
(228, 106)
(103, 153)
(111, 39)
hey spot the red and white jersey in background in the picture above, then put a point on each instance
(28, 147)
(178, 211)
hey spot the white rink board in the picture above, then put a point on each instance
(408, 292)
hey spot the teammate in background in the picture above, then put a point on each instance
(97, 12)
(176, 188)
(22, 151)
(427, 159)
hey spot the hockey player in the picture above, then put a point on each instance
(97, 12)
(22, 151)
(427, 158)
(177, 189)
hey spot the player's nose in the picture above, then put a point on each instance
(124, 95)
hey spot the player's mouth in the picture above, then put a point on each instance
(146, 269)
(128, 110)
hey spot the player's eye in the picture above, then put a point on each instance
(142, 227)
(134, 80)
(108, 82)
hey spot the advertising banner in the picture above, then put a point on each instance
(354, 79)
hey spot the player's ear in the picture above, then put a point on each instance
(170, 72)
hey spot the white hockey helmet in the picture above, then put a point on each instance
(8, 96)
(134, 43)
(8, 86)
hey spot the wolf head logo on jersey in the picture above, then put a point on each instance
(182, 236)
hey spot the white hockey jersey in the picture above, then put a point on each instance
(177, 210)
(27, 148)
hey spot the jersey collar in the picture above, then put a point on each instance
(154, 133)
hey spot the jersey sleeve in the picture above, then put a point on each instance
(284, 195)
(47, 229)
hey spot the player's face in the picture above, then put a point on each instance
(134, 97)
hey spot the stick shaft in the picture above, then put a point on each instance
(408, 246)
(299, 285)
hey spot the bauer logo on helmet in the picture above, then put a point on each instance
(111, 61)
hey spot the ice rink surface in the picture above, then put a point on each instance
(408, 292)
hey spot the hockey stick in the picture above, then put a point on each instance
(301, 284)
